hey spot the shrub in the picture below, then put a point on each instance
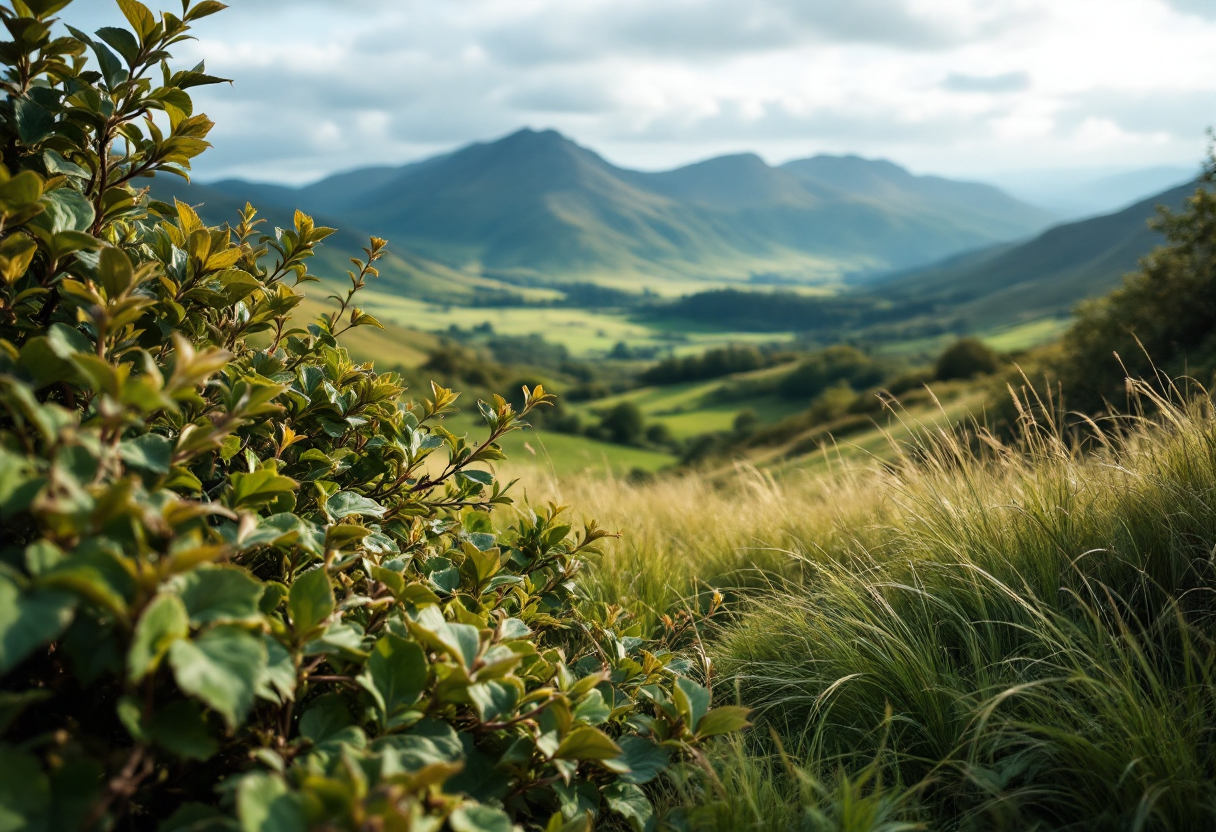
(830, 366)
(715, 363)
(966, 358)
(623, 424)
(231, 555)
(1160, 320)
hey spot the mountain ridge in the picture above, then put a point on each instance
(535, 206)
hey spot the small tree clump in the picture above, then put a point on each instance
(966, 358)
(244, 583)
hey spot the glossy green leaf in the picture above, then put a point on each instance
(631, 802)
(264, 804)
(643, 759)
(396, 674)
(311, 600)
(163, 622)
(220, 593)
(350, 504)
(691, 700)
(723, 720)
(472, 817)
(222, 668)
(587, 744)
(29, 620)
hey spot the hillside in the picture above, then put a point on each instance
(402, 272)
(536, 206)
(1043, 277)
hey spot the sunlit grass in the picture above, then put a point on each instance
(974, 637)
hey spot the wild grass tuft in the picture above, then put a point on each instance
(1014, 637)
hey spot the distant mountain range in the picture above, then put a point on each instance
(1076, 193)
(536, 208)
(1042, 277)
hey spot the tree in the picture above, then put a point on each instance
(827, 367)
(966, 358)
(1160, 320)
(624, 424)
(229, 554)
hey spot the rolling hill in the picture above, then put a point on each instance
(1045, 276)
(534, 207)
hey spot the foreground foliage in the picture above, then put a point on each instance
(243, 582)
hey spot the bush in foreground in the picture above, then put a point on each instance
(244, 584)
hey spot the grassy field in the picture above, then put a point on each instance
(1003, 638)
(538, 455)
(585, 333)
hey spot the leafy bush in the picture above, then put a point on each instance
(231, 555)
(1160, 320)
(623, 424)
(966, 358)
(715, 363)
(831, 366)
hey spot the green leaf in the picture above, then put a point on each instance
(644, 759)
(493, 699)
(29, 620)
(180, 727)
(691, 700)
(310, 601)
(25, 792)
(396, 674)
(222, 668)
(326, 718)
(115, 271)
(149, 452)
(220, 593)
(278, 684)
(461, 641)
(628, 800)
(139, 16)
(350, 504)
(473, 817)
(198, 817)
(122, 41)
(34, 122)
(592, 709)
(587, 744)
(261, 488)
(66, 209)
(338, 537)
(724, 720)
(163, 622)
(264, 804)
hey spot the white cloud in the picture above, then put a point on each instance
(952, 86)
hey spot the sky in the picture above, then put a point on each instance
(968, 88)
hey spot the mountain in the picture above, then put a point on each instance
(1073, 194)
(536, 207)
(402, 272)
(1042, 277)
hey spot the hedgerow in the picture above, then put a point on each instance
(244, 582)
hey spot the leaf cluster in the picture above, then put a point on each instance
(245, 583)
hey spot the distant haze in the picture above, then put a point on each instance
(959, 88)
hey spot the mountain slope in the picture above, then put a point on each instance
(402, 272)
(1045, 276)
(535, 206)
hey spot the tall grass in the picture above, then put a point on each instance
(977, 637)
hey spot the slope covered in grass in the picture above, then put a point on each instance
(1004, 638)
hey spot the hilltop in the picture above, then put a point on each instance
(535, 207)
